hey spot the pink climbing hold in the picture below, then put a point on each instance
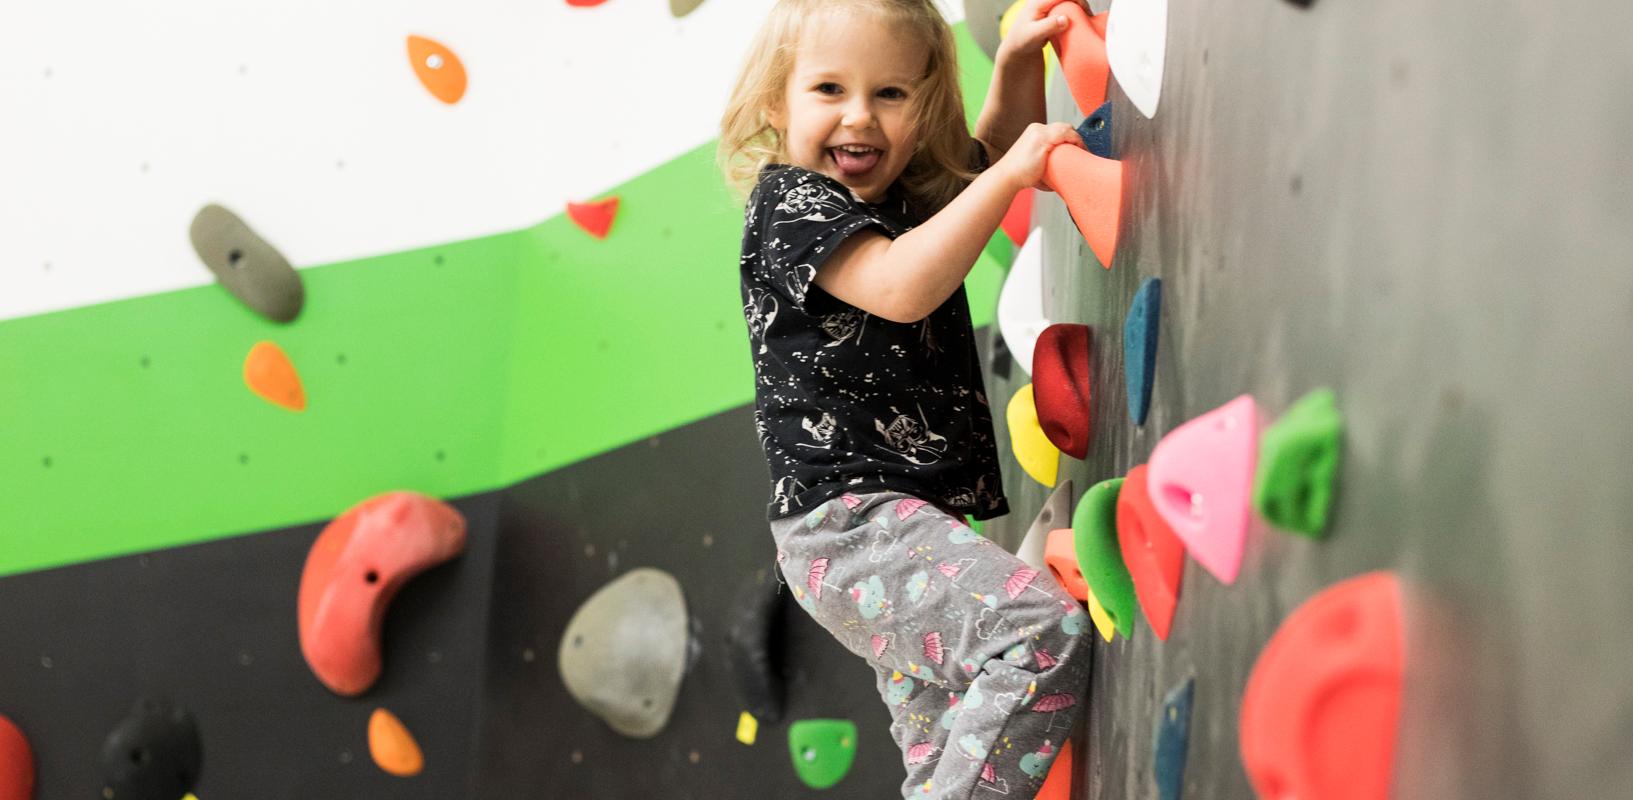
(905, 508)
(1201, 482)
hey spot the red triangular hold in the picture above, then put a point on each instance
(1018, 219)
(595, 218)
(1093, 190)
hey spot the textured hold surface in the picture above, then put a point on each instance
(1095, 130)
(624, 651)
(1173, 740)
(1100, 556)
(1062, 374)
(1201, 480)
(822, 750)
(16, 763)
(1154, 555)
(1092, 188)
(270, 374)
(595, 218)
(246, 265)
(392, 746)
(1298, 465)
(1320, 710)
(153, 754)
(1082, 51)
(1140, 348)
(439, 70)
(1056, 511)
(355, 568)
(1038, 456)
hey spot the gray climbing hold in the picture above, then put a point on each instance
(680, 8)
(254, 271)
(1055, 514)
(625, 651)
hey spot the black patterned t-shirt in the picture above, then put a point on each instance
(846, 401)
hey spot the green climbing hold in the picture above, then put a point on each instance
(1100, 557)
(1298, 465)
(1000, 250)
(822, 749)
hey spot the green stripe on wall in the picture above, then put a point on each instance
(126, 426)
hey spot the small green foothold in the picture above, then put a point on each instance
(822, 750)
(1094, 527)
(1001, 249)
(1298, 465)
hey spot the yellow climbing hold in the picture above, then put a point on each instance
(1038, 456)
(748, 728)
(1102, 619)
(271, 375)
(392, 746)
(1007, 21)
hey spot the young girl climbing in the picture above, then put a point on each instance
(869, 204)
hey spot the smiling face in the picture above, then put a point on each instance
(845, 109)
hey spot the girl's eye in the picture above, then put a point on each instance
(828, 88)
(892, 93)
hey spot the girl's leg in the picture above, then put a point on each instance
(927, 601)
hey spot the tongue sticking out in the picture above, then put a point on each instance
(854, 163)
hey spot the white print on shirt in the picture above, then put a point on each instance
(912, 438)
(785, 490)
(822, 431)
(840, 325)
(818, 203)
(760, 311)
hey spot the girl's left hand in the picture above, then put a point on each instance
(1034, 27)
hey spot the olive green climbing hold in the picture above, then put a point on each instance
(252, 270)
(1099, 555)
(822, 749)
(1298, 465)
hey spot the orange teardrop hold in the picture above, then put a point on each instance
(270, 374)
(1093, 190)
(392, 746)
(439, 70)
(595, 218)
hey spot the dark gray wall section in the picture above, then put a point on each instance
(213, 626)
(1429, 208)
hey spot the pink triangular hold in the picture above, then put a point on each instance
(1092, 188)
(1201, 482)
(595, 218)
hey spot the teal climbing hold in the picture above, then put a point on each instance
(1099, 555)
(1140, 348)
(822, 750)
(1173, 740)
(1298, 465)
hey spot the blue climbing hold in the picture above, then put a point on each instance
(1140, 348)
(1172, 740)
(1096, 131)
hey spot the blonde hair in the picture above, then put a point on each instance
(938, 169)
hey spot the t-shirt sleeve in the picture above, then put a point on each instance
(806, 216)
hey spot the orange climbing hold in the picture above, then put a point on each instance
(392, 746)
(1092, 188)
(16, 763)
(1082, 51)
(595, 218)
(439, 70)
(1058, 786)
(270, 374)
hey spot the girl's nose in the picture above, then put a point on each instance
(858, 114)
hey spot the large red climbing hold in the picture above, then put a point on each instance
(1018, 219)
(16, 763)
(1154, 555)
(1061, 377)
(1321, 707)
(1082, 51)
(353, 571)
(595, 218)
(1092, 188)
(1202, 481)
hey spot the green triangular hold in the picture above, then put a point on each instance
(1100, 557)
(822, 749)
(1298, 465)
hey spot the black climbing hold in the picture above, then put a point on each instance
(1096, 131)
(753, 647)
(254, 271)
(153, 754)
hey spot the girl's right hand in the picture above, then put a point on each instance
(1023, 164)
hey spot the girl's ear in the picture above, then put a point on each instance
(776, 118)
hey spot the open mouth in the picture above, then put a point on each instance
(855, 160)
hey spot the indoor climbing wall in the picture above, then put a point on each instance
(1345, 196)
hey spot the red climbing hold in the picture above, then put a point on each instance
(16, 763)
(1082, 51)
(1018, 219)
(596, 217)
(1061, 374)
(1321, 706)
(355, 568)
(1092, 188)
(585, 3)
(1154, 555)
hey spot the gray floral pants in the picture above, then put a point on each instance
(982, 660)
